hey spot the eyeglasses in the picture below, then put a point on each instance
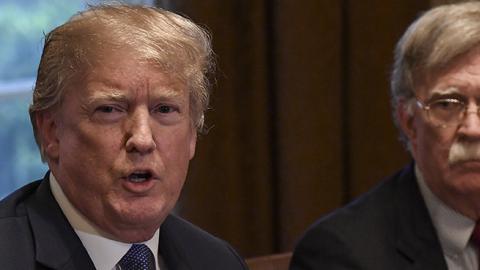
(445, 112)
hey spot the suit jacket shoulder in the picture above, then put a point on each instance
(34, 233)
(185, 246)
(387, 228)
(15, 234)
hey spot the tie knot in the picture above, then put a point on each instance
(138, 257)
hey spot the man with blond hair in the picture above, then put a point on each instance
(424, 216)
(119, 98)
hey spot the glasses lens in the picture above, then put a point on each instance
(446, 111)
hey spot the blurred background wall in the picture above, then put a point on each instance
(300, 117)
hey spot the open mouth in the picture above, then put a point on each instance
(139, 177)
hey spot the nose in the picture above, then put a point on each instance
(470, 127)
(139, 135)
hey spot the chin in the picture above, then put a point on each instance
(466, 182)
(135, 228)
(136, 218)
(135, 236)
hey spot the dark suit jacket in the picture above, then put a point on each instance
(34, 234)
(389, 228)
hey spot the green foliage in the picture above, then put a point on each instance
(20, 161)
(23, 24)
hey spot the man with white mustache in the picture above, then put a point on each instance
(424, 216)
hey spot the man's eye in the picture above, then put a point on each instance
(108, 113)
(444, 104)
(447, 105)
(106, 109)
(165, 109)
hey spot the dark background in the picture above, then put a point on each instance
(300, 119)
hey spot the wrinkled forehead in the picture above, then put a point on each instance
(461, 72)
(125, 67)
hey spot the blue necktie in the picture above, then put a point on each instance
(138, 257)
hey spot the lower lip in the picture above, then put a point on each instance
(138, 187)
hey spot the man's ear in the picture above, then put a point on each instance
(193, 142)
(405, 116)
(47, 130)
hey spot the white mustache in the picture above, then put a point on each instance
(464, 151)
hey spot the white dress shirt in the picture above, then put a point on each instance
(102, 249)
(453, 230)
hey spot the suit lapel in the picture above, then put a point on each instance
(172, 251)
(56, 243)
(416, 238)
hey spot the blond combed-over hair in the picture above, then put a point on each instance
(163, 39)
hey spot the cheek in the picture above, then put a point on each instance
(433, 143)
(89, 146)
(177, 143)
(175, 150)
(178, 154)
(99, 136)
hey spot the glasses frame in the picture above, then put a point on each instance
(426, 106)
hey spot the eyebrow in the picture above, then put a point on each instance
(118, 96)
(101, 95)
(166, 93)
(445, 91)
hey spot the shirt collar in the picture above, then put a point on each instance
(453, 229)
(102, 249)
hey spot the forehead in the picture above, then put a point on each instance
(461, 76)
(122, 71)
